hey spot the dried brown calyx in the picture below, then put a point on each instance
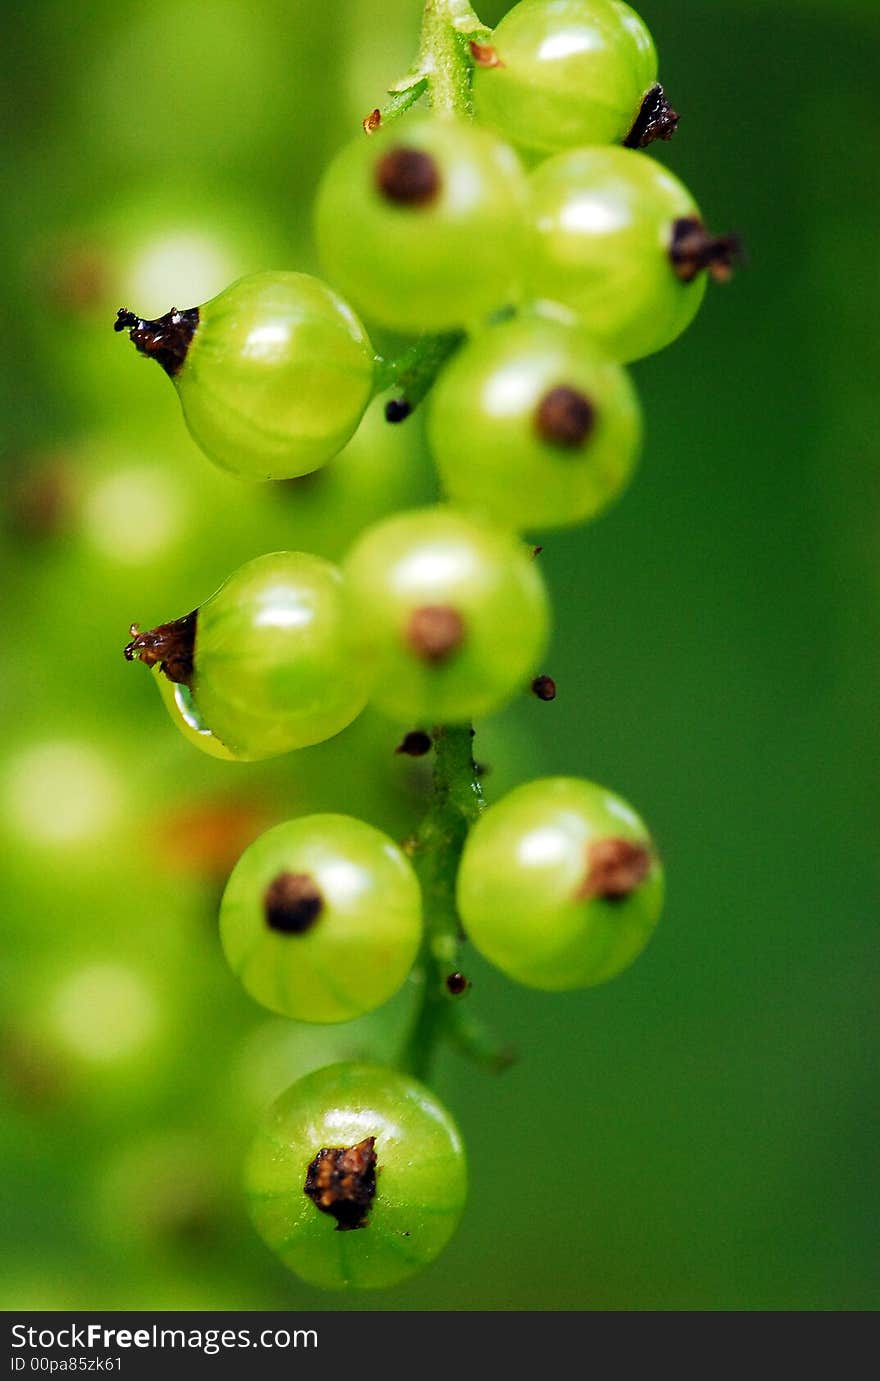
(166, 340)
(484, 55)
(693, 248)
(372, 121)
(292, 903)
(656, 120)
(171, 646)
(435, 632)
(408, 177)
(565, 418)
(615, 868)
(341, 1181)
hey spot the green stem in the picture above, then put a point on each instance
(443, 70)
(444, 57)
(456, 802)
(412, 373)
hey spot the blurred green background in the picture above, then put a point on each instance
(699, 1134)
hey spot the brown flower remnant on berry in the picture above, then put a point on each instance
(171, 645)
(166, 340)
(435, 632)
(484, 55)
(292, 903)
(693, 248)
(415, 744)
(615, 868)
(341, 1181)
(656, 120)
(544, 687)
(372, 121)
(565, 418)
(456, 984)
(408, 177)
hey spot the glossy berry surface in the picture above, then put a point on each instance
(569, 73)
(385, 1170)
(560, 886)
(602, 226)
(532, 425)
(449, 614)
(276, 377)
(321, 918)
(421, 224)
(261, 667)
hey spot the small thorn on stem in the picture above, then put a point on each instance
(536, 551)
(693, 248)
(615, 868)
(484, 55)
(397, 410)
(415, 744)
(372, 121)
(656, 120)
(544, 687)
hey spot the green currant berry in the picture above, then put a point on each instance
(619, 240)
(261, 667)
(532, 425)
(422, 223)
(572, 72)
(449, 614)
(357, 1177)
(560, 885)
(273, 375)
(321, 918)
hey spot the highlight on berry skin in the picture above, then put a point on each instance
(357, 1177)
(321, 918)
(273, 375)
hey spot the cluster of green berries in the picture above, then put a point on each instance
(536, 251)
